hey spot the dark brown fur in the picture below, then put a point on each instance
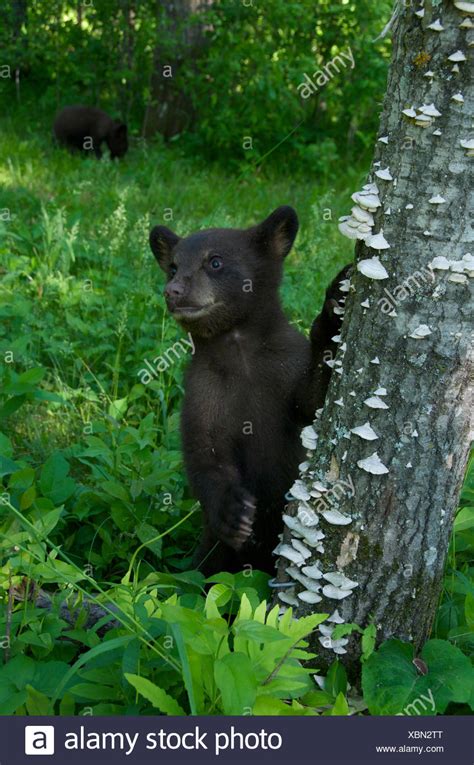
(253, 383)
(85, 128)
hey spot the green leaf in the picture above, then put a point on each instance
(260, 633)
(235, 679)
(269, 705)
(341, 706)
(95, 692)
(185, 665)
(37, 703)
(67, 706)
(115, 490)
(6, 448)
(369, 636)
(11, 405)
(7, 466)
(155, 695)
(218, 595)
(336, 679)
(118, 408)
(22, 479)
(32, 376)
(392, 684)
(149, 536)
(54, 482)
(98, 650)
(20, 671)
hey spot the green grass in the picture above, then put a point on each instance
(90, 456)
(82, 293)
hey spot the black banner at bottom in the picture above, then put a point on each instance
(287, 740)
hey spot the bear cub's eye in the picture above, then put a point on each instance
(215, 262)
(173, 269)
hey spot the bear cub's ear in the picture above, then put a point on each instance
(120, 128)
(162, 241)
(277, 233)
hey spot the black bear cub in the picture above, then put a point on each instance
(253, 383)
(85, 128)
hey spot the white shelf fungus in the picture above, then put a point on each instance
(336, 518)
(306, 581)
(365, 432)
(374, 402)
(420, 332)
(309, 597)
(429, 110)
(378, 241)
(373, 464)
(457, 278)
(468, 144)
(309, 437)
(307, 516)
(458, 56)
(436, 26)
(440, 263)
(299, 491)
(385, 174)
(465, 6)
(339, 579)
(289, 552)
(361, 215)
(437, 200)
(335, 593)
(372, 268)
(312, 571)
(319, 486)
(301, 548)
(367, 200)
(288, 598)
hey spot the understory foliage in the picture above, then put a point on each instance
(93, 502)
(241, 82)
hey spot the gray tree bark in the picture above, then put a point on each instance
(406, 343)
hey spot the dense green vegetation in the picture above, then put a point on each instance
(250, 61)
(93, 499)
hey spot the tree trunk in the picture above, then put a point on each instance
(19, 10)
(406, 342)
(127, 56)
(170, 110)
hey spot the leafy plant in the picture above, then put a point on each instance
(394, 682)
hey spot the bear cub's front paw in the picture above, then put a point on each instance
(234, 520)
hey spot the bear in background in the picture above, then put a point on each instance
(253, 383)
(85, 128)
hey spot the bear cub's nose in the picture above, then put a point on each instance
(174, 290)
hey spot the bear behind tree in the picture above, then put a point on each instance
(85, 128)
(253, 383)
